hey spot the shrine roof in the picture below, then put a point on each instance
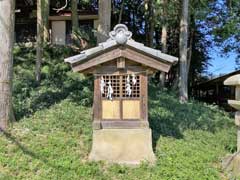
(121, 37)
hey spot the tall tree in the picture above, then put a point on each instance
(146, 16)
(46, 19)
(40, 37)
(183, 49)
(164, 26)
(74, 9)
(104, 27)
(164, 37)
(121, 12)
(191, 36)
(151, 22)
(7, 13)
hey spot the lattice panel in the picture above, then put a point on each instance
(115, 83)
(118, 83)
(135, 88)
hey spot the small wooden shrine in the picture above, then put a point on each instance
(121, 67)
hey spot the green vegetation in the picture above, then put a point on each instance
(52, 137)
(58, 81)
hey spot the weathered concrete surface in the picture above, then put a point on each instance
(236, 166)
(237, 118)
(232, 164)
(123, 146)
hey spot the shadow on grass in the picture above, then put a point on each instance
(29, 152)
(168, 117)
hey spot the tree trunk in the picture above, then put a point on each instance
(164, 27)
(40, 36)
(157, 38)
(190, 50)
(121, 12)
(104, 11)
(164, 40)
(183, 52)
(74, 9)
(46, 20)
(191, 34)
(151, 23)
(146, 15)
(7, 15)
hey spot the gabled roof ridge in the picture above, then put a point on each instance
(120, 36)
(155, 52)
(84, 54)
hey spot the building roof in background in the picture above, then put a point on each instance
(218, 80)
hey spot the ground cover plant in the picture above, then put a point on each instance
(52, 136)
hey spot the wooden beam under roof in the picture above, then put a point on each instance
(68, 17)
(117, 53)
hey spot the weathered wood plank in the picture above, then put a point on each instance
(97, 100)
(126, 53)
(110, 109)
(127, 124)
(146, 60)
(115, 71)
(80, 17)
(102, 58)
(144, 96)
(121, 63)
(131, 109)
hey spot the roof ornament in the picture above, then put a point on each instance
(120, 34)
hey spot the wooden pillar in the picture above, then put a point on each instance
(97, 103)
(144, 96)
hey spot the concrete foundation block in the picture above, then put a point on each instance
(232, 165)
(123, 146)
(237, 118)
(236, 166)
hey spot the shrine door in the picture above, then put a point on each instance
(123, 106)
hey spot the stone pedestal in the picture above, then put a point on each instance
(236, 165)
(232, 162)
(123, 146)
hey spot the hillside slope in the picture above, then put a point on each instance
(52, 137)
(189, 142)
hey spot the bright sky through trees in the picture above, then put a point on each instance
(220, 63)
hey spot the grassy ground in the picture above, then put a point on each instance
(189, 142)
(52, 137)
